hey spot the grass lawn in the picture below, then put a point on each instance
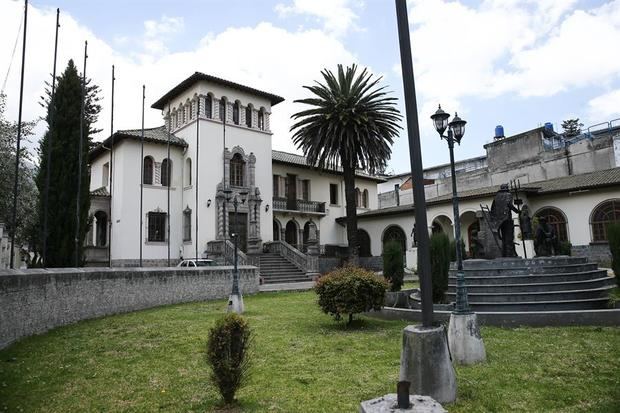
(153, 360)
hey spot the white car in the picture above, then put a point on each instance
(192, 263)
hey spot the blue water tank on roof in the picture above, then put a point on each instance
(499, 132)
(549, 126)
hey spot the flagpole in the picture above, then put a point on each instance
(80, 149)
(196, 183)
(49, 144)
(168, 170)
(111, 172)
(19, 136)
(142, 174)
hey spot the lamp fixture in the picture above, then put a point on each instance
(267, 208)
(208, 202)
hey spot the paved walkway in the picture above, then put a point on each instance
(300, 286)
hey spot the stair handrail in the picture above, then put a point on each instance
(304, 262)
(226, 249)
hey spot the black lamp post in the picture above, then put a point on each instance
(236, 199)
(455, 134)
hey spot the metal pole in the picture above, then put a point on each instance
(415, 157)
(49, 144)
(462, 306)
(80, 146)
(142, 174)
(168, 170)
(111, 172)
(235, 289)
(19, 136)
(190, 172)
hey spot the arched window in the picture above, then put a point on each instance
(147, 178)
(166, 172)
(101, 229)
(187, 181)
(223, 109)
(290, 234)
(236, 170)
(192, 109)
(236, 113)
(276, 230)
(395, 233)
(605, 213)
(187, 224)
(365, 198)
(209, 106)
(261, 120)
(358, 198)
(556, 219)
(248, 116)
(363, 240)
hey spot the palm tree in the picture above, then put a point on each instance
(353, 123)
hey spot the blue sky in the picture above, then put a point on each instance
(509, 62)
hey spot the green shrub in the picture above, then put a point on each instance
(440, 265)
(566, 248)
(227, 354)
(350, 290)
(393, 265)
(453, 250)
(613, 236)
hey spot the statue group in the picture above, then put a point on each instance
(496, 236)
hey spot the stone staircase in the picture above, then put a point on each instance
(539, 284)
(276, 269)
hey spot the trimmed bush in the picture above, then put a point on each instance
(227, 354)
(350, 290)
(565, 248)
(440, 265)
(393, 265)
(613, 236)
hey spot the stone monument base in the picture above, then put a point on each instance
(464, 339)
(388, 403)
(235, 304)
(425, 363)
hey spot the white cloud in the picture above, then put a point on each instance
(266, 68)
(157, 32)
(337, 16)
(605, 106)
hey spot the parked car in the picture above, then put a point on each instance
(202, 262)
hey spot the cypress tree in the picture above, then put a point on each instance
(63, 120)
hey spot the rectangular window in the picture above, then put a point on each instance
(157, 227)
(187, 225)
(305, 190)
(106, 174)
(276, 186)
(333, 194)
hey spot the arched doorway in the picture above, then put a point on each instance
(101, 229)
(290, 234)
(306, 236)
(395, 233)
(443, 224)
(555, 219)
(363, 240)
(276, 230)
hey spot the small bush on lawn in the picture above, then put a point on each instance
(440, 265)
(613, 235)
(227, 354)
(393, 265)
(350, 290)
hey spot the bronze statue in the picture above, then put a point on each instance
(525, 222)
(501, 215)
(546, 241)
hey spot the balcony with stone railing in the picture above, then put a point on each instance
(298, 205)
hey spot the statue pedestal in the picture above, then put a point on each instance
(529, 247)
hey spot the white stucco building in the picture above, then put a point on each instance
(169, 194)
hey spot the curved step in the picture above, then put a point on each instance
(523, 270)
(561, 305)
(526, 297)
(530, 278)
(521, 262)
(536, 287)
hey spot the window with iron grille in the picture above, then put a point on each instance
(222, 109)
(187, 225)
(604, 214)
(209, 107)
(148, 171)
(276, 186)
(166, 172)
(236, 170)
(305, 190)
(248, 116)
(236, 113)
(157, 227)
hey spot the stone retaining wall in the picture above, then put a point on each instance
(598, 253)
(34, 301)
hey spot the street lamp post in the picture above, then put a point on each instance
(455, 134)
(464, 339)
(235, 301)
